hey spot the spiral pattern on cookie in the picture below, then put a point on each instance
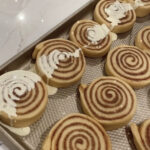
(130, 64)
(145, 2)
(141, 135)
(78, 132)
(108, 99)
(22, 92)
(102, 5)
(146, 137)
(80, 35)
(145, 37)
(60, 60)
(142, 39)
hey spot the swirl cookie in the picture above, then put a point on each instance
(60, 62)
(94, 39)
(130, 64)
(77, 132)
(118, 16)
(142, 39)
(109, 100)
(23, 98)
(141, 135)
(142, 7)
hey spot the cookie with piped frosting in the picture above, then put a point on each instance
(119, 16)
(142, 7)
(94, 39)
(60, 62)
(23, 98)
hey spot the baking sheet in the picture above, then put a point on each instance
(66, 100)
(7, 142)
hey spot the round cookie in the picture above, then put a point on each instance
(60, 62)
(142, 39)
(142, 7)
(23, 98)
(109, 100)
(94, 39)
(117, 15)
(77, 132)
(141, 135)
(130, 64)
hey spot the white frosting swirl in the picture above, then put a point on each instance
(13, 85)
(138, 3)
(97, 33)
(116, 11)
(49, 63)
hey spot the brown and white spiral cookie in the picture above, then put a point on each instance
(109, 100)
(94, 39)
(142, 7)
(23, 98)
(60, 62)
(141, 135)
(77, 132)
(142, 39)
(130, 64)
(118, 16)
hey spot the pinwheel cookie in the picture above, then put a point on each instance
(109, 100)
(118, 16)
(141, 135)
(60, 62)
(142, 39)
(142, 7)
(130, 64)
(94, 39)
(77, 132)
(23, 98)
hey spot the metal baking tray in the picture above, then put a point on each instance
(66, 100)
(8, 141)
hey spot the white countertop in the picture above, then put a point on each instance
(24, 21)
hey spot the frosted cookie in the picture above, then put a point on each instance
(60, 62)
(94, 39)
(77, 132)
(142, 7)
(142, 39)
(130, 64)
(109, 100)
(118, 16)
(23, 98)
(141, 135)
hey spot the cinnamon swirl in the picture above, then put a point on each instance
(109, 100)
(60, 62)
(23, 98)
(94, 39)
(142, 7)
(117, 15)
(142, 39)
(130, 64)
(141, 135)
(77, 132)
